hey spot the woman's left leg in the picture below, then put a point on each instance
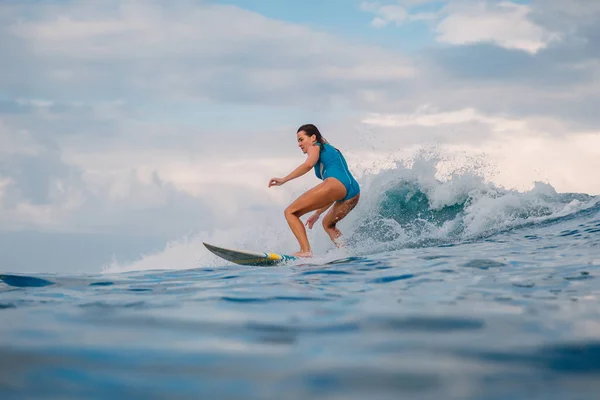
(336, 214)
(321, 195)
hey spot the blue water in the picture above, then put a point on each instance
(489, 294)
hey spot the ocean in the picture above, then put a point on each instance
(450, 287)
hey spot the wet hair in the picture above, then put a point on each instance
(310, 130)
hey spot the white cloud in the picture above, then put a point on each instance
(129, 182)
(423, 16)
(565, 162)
(35, 102)
(18, 141)
(505, 24)
(81, 158)
(410, 3)
(398, 14)
(4, 182)
(423, 117)
(584, 11)
(385, 13)
(190, 51)
(522, 149)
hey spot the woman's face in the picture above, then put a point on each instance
(305, 141)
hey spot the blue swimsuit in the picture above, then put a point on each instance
(332, 164)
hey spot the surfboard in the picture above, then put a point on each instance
(243, 257)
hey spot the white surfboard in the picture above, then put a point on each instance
(244, 257)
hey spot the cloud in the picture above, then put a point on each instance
(559, 80)
(520, 149)
(186, 51)
(17, 141)
(562, 13)
(506, 24)
(399, 14)
(127, 183)
(87, 145)
(385, 13)
(548, 67)
(4, 182)
(429, 119)
(457, 127)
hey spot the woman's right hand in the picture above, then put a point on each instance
(276, 182)
(312, 219)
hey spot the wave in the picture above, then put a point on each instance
(411, 205)
(427, 200)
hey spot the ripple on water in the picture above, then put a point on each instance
(582, 276)
(272, 299)
(369, 381)
(107, 283)
(392, 278)
(24, 281)
(325, 272)
(483, 264)
(425, 324)
(559, 357)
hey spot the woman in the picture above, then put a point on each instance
(338, 188)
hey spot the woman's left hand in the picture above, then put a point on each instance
(312, 219)
(276, 182)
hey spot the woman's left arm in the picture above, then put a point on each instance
(311, 160)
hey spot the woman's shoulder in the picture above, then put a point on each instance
(329, 146)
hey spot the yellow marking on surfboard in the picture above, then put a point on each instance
(273, 256)
(269, 257)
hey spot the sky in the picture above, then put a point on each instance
(128, 124)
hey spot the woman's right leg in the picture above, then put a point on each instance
(321, 195)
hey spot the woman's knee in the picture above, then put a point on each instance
(292, 210)
(289, 210)
(328, 223)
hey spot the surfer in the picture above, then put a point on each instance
(339, 188)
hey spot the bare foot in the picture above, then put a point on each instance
(340, 243)
(306, 254)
